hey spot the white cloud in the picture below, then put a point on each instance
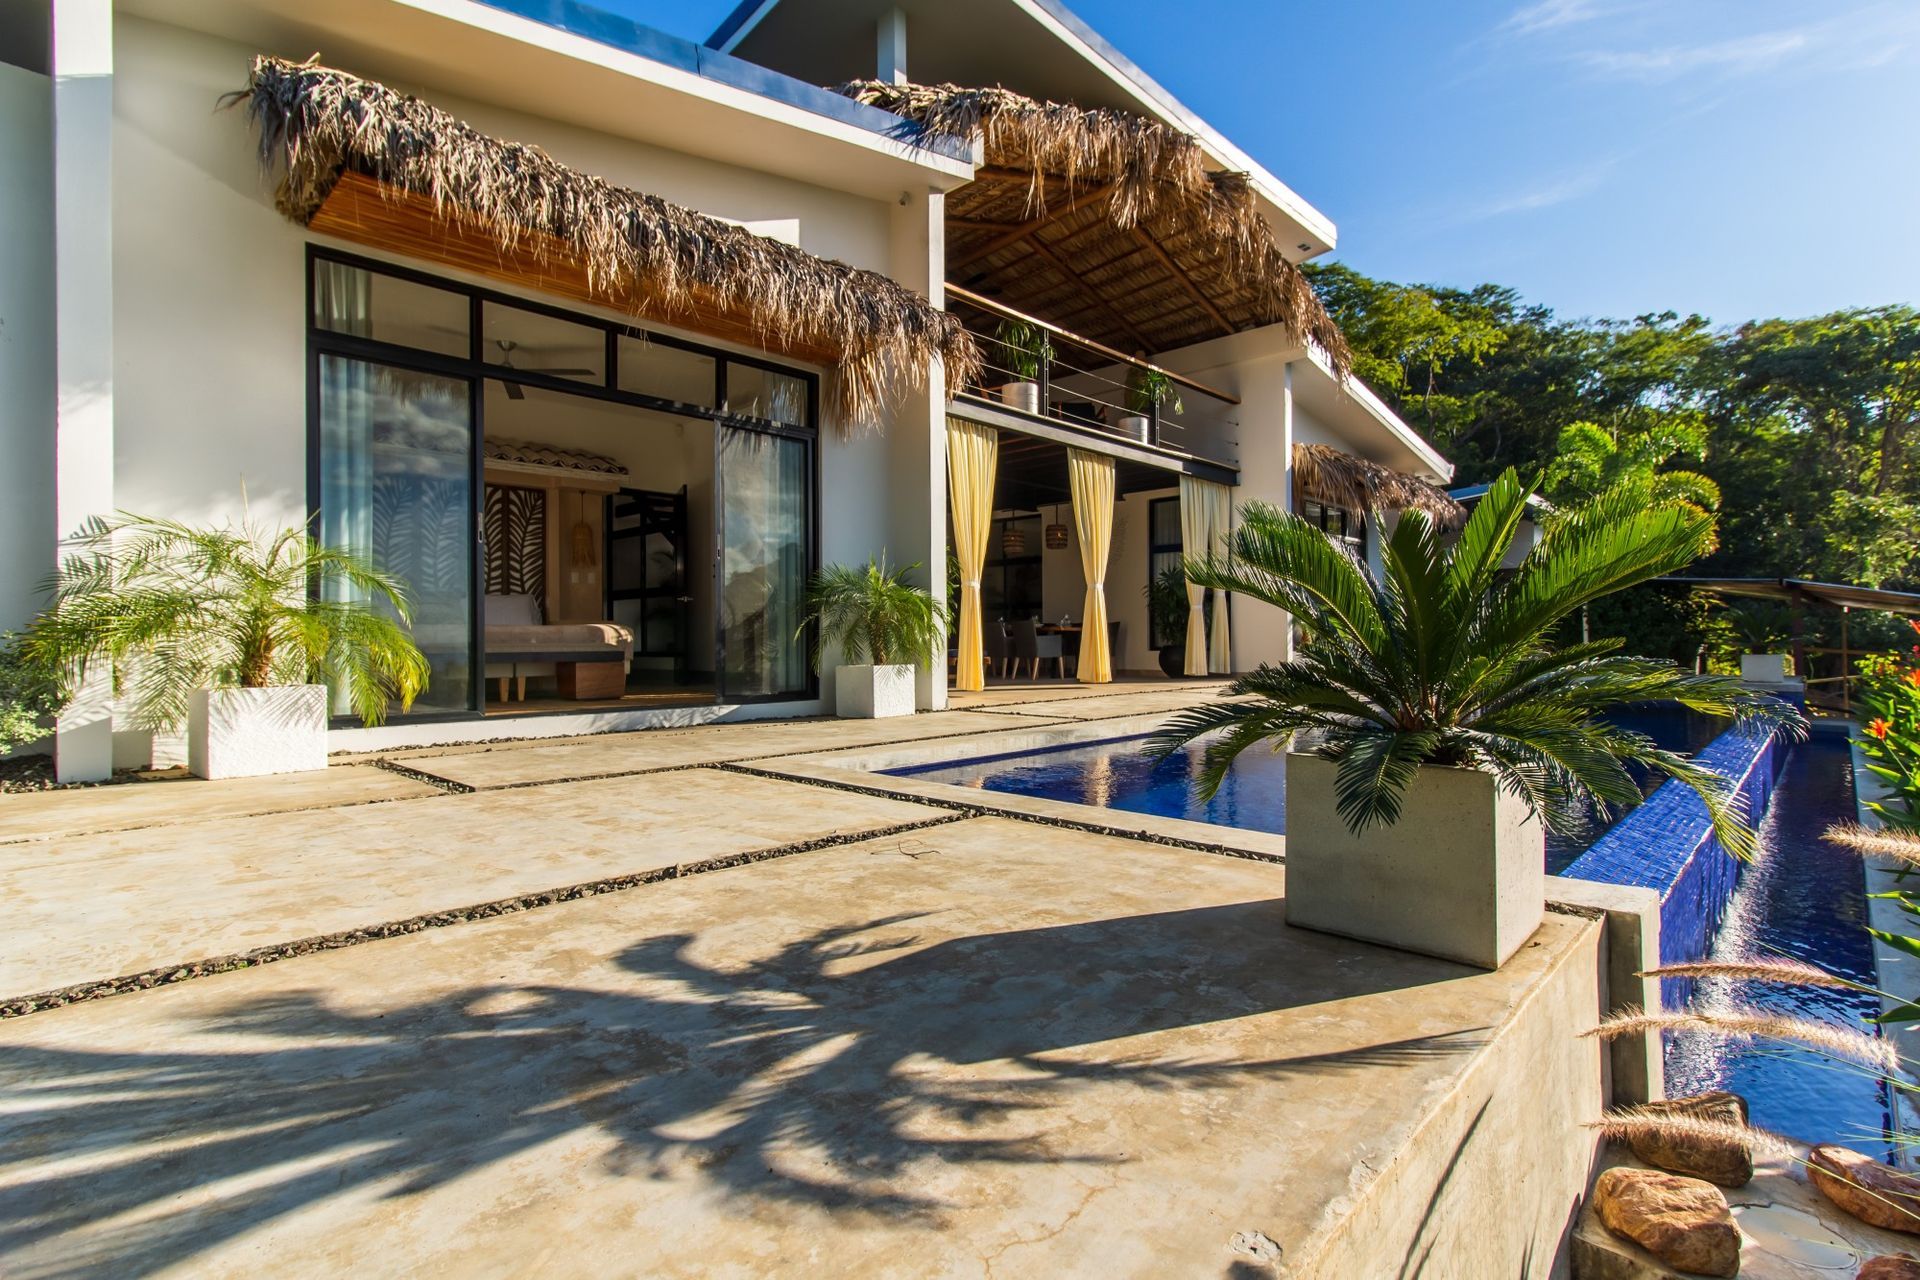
(1547, 15)
(1560, 189)
(1739, 56)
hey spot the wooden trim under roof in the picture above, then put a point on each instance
(362, 210)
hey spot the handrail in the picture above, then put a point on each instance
(1001, 309)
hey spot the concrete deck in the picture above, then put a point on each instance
(965, 1046)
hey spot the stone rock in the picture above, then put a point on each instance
(1889, 1266)
(1870, 1191)
(1684, 1222)
(1720, 1160)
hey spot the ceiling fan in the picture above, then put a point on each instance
(514, 390)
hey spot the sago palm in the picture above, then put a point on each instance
(170, 608)
(873, 615)
(1450, 660)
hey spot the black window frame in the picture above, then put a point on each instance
(477, 371)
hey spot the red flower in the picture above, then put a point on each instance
(1913, 677)
(1879, 729)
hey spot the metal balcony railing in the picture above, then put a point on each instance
(1037, 368)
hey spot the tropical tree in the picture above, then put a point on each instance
(1449, 660)
(1591, 460)
(873, 615)
(170, 609)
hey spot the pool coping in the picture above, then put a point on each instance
(1896, 973)
(859, 769)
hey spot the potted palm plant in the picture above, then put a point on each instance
(1023, 348)
(1440, 727)
(1168, 611)
(233, 633)
(882, 625)
(1148, 390)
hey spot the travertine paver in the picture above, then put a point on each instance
(985, 1049)
(88, 908)
(521, 763)
(39, 815)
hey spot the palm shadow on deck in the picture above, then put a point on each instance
(819, 1073)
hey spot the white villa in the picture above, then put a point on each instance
(607, 405)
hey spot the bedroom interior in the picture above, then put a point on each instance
(587, 516)
(644, 503)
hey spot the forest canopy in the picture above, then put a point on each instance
(1803, 433)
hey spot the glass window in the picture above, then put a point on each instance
(671, 373)
(764, 534)
(1164, 548)
(537, 343)
(372, 304)
(760, 393)
(1336, 522)
(396, 485)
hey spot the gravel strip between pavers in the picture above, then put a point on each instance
(21, 1006)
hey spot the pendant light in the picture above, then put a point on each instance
(1013, 540)
(1056, 532)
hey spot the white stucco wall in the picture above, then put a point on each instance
(26, 341)
(210, 360)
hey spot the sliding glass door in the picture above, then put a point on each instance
(765, 540)
(396, 485)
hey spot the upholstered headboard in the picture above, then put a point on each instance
(517, 610)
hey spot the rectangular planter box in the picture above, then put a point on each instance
(1461, 875)
(244, 733)
(871, 693)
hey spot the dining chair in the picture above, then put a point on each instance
(1029, 646)
(993, 636)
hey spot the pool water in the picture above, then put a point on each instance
(1118, 774)
(1804, 898)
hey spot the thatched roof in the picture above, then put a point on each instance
(645, 254)
(527, 453)
(1325, 474)
(1113, 204)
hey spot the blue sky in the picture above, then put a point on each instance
(1738, 158)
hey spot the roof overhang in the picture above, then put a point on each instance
(620, 79)
(1801, 590)
(1368, 427)
(1035, 47)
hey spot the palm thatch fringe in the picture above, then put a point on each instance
(318, 123)
(1328, 475)
(1152, 168)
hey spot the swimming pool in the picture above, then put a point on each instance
(1801, 897)
(1118, 774)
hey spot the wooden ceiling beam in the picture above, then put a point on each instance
(1061, 265)
(1016, 234)
(1153, 246)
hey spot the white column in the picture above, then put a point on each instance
(26, 337)
(82, 66)
(916, 437)
(891, 63)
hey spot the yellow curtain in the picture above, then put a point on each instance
(973, 458)
(1220, 528)
(1196, 536)
(1091, 477)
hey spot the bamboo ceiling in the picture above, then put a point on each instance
(1107, 223)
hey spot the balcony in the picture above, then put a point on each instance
(1051, 382)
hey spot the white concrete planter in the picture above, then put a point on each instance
(1134, 426)
(1461, 876)
(1764, 668)
(1024, 396)
(870, 693)
(243, 733)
